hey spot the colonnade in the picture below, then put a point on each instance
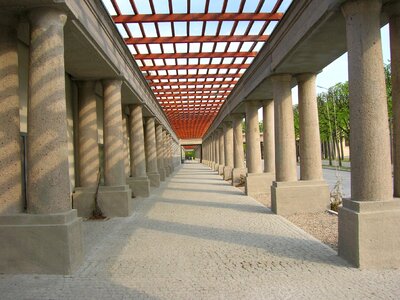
(369, 235)
(43, 233)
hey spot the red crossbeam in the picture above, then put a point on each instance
(187, 67)
(195, 55)
(141, 18)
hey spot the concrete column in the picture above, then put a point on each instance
(228, 143)
(24, 236)
(10, 154)
(221, 152)
(114, 168)
(170, 152)
(168, 170)
(127, 168)
(258, 183)
(269, 136)
(48, 170)
(151, 152)
(369, 235)
(139, 182)
(253, 150)
(310, 143)
(239, 171)
(160, 155)
(88, 140)
(394, 25)
(216, 150)
(285, 149)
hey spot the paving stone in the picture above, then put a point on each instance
(197, 237)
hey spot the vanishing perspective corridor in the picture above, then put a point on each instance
(197, 237)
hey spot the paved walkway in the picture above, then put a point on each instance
(199, 238)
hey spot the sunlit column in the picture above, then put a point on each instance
(269, 136)
(10, 153)
(253, 150)
(137, 153)
(48, 169)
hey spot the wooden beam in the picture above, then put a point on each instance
(196, 39)
(142, 18)
(169, 77)
(195, 67)
(195, 55)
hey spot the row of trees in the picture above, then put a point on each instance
(334, 118)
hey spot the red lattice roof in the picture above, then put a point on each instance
(192, 52)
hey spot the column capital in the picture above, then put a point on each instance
(47, 16)
(257, 103)
(305, 77)
(237, 115)
(116, 82)
(355, 7)
(282, 77)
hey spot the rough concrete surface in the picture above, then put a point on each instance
(197, 237)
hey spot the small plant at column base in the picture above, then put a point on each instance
(336, 194)
(242, 181)
(97, 213)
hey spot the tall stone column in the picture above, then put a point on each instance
(310, 143)
(168, 170)
(151, 152)
(228, 143)
(49, 197)
(216, 150)
(258, 183)
(170, 153)
(127, 167)
(269, 136)
(284, 199)
(10, 155)
(88, 139)
(114, 169)
(285, 149)
(253, 150)
(115, 197)
(160, 155)
(394, 27)
(369, 235)
(239, 171)
(221, 143)
(139, 182)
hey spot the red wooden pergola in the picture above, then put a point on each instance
(192, 52)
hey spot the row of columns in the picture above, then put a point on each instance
(369, 235)
(49, 211)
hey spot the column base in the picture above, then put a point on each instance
(221, 170)
(114, 201)
(154, 178)
(259, 184)
(237, 174)
(41, 244)
(292, 197)
(162, 174)
(140, 186)
(369, 233)
(215, 167)
(227, 172)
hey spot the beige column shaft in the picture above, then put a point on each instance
(394, 23)
(310, 143)
(238, 152)
(221, 141)
(269, 136)
(228, 141)
(137, 154)
(48, 169)
(253, 150)
(371, 176)
(10, 153)
(169, 147)
(88, 146)
(150, 146)
(165, 149)
(114, 169)
(285, 149)
(160, 145)
(127, 168)
(216, 146)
